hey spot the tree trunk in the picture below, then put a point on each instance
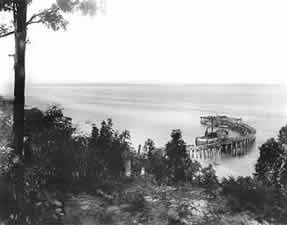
(20, 16)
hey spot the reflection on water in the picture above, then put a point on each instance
(152, 111)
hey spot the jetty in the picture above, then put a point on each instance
(213, 147)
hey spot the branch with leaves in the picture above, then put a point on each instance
(52, 17)
(6, 30)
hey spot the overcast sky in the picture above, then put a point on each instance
(185, 41)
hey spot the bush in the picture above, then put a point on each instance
(135, 199)
(266, 193)
(243, 192)
(110, 149)
(56, 159)
(192, 171)
(271, 166)
(172, 164)
(246, 193)
(5, 121)
(267, 165)
(158, 168)
(176, 157)
(209, 180)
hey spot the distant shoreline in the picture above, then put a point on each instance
(119, 83)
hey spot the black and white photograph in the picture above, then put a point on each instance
(135, 112)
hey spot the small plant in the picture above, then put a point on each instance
(135, 199)
(209, 180)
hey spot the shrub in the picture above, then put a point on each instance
(209, 180)
(246, 193)
(243, 192)
(267, 163)
(192, 171)
(271, 166)
(109, 148)
(138, 162)
(176, 156)
(55, 158)
(172, 164)
(149, 147)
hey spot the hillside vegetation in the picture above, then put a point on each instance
(68, 178)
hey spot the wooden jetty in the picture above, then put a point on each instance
(227, 146)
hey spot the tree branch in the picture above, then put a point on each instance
(7, 34)
(34, 17)
(42, 17)
(35, 22)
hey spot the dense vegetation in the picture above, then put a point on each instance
(266, 192)
(58, 161)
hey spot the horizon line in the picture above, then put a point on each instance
(151, 82)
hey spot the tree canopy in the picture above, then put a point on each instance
(271, 166)
(52, 17)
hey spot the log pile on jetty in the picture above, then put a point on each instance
(217, 143)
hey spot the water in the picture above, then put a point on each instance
(153, 110)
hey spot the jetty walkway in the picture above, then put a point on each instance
(224, 147)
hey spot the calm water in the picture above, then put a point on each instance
(152, 111)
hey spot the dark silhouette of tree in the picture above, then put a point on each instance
(209, 180)
(266, 164)
(108, 150)
(271, 166)
(53, 18)
(282, 137)
(149, 147)
(176, 156)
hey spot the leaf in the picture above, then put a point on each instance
(53, 18)
(4, 29)
(67, 5)
(88, 7)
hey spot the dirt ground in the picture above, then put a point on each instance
(161, 205)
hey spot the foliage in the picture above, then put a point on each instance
(209, 180)
(271, 166)
(155, 161)
(172, 164)
(282, 136)
(109, 149)
(52, 17)
(138, 163)
(176, 156)
(50, 146)
(266, 165)
(244, 190)
(158, 168)
(59, 160)
(149, 147)
(56, 159)
(266, 193)
(192, 171)
(271, 174)
(246, 193)
(5, 130)
(135, 199)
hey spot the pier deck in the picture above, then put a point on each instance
(230, 146)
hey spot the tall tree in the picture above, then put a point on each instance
(176, 156)
(53, 18)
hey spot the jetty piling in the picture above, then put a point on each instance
(227, 147)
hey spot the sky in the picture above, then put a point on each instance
(182, 41)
